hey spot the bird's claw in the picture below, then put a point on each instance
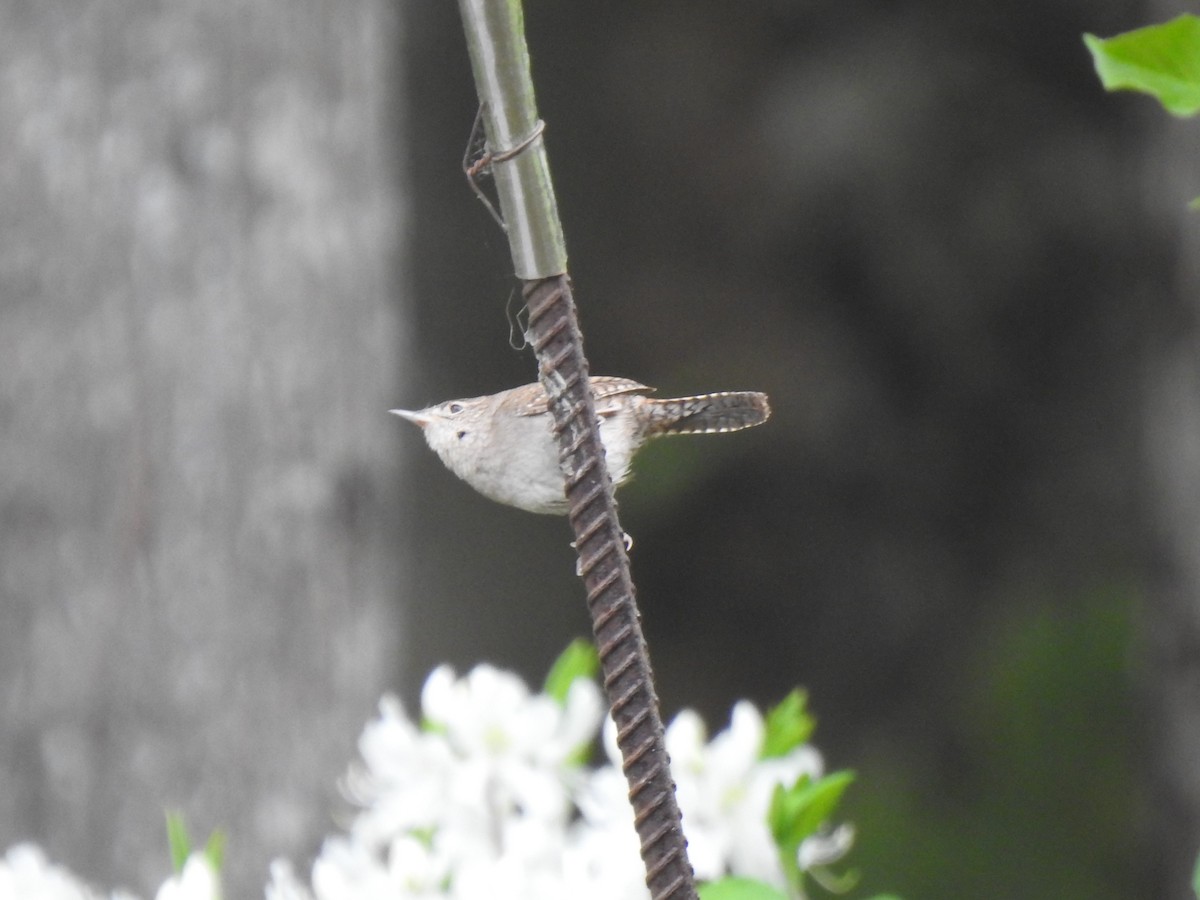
(626, 538)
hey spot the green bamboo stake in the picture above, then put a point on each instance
(500, 60)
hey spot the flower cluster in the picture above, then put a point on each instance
(26, 873)
(490, 794)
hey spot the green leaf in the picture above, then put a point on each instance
(1196, 878)
(214, 849)
(178, 842)
(788, 725)
(798, 812)
(431, 727)
(579, 660)
(1161, 60)
(740, 889)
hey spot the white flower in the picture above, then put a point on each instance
(513, 749)
(482, 796)
(197, 881)
(284, 885)
(724, 790)
(347, 870)
(404, 780)
(492, 714)
(602, 858)
(489, 799)
(26, 874)
(824, 848)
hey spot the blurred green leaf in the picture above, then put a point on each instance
(1044, 712)
(1160, 60)
(797, 812)
(214, 849)
(788, 725)
(178, 842)
(740, 889)
(579, 660)
(1196, 878)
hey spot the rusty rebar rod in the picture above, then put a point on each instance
(553, 331)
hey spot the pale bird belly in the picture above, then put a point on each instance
(618, 453)
(534, 479)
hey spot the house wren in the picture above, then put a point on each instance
(503, 444)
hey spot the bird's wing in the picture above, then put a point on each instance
(603, 387)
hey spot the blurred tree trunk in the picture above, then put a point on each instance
(1173, 443)
(198, 334)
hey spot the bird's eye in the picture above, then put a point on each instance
(455, 409)
(461, 435)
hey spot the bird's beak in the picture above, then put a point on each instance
(417, 418)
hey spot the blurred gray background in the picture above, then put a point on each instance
(233, 235)
(202, 322)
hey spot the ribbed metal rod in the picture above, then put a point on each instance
(553, 332)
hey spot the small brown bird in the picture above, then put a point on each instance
(503, 444)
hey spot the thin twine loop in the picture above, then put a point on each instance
(518, 338)
(475, 166)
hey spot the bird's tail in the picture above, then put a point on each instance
(706, 413)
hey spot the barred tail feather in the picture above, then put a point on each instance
(707, 413)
